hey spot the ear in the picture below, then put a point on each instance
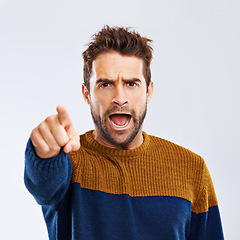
(86, 94)
(150, 91)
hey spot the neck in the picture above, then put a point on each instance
(136, 142)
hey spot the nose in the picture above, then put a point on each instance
(120, 97)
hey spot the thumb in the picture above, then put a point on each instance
(73, 144)
(63, 116)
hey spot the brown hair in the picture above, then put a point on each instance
(121, 40)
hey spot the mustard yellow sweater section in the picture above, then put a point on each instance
(156, 168)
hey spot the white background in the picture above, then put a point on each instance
(196, 71)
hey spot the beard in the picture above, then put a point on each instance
(101, 122)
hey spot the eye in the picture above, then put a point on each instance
(131, 84)
(104, 85)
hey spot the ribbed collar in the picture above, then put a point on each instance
(87, 141)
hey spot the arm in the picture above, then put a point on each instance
(48, 167)
(47, 179)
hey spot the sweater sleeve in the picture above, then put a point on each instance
(206, 221)
(47, 179)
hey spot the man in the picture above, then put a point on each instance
(117, 182)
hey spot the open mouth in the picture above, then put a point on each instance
(120, 120)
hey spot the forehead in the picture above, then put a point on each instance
(113, 65)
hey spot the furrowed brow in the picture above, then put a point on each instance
(132, 80)
(104, 80)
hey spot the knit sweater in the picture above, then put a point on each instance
(156, 191)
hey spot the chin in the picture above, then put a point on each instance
(120, 138)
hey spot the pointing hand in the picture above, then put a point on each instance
(54, 133)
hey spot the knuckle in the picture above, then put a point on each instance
(44, 149)
(33, 133)
(41, 126)
(55, 148)
(50, 119)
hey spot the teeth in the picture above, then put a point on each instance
(122, 125)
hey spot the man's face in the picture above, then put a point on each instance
(118, 98)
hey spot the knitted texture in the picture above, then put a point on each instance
(157, 168)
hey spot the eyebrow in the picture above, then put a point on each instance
(105, 80)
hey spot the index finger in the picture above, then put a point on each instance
(63, 116)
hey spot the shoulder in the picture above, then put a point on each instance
(186, 173)
(170, 149)
(180, 160)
